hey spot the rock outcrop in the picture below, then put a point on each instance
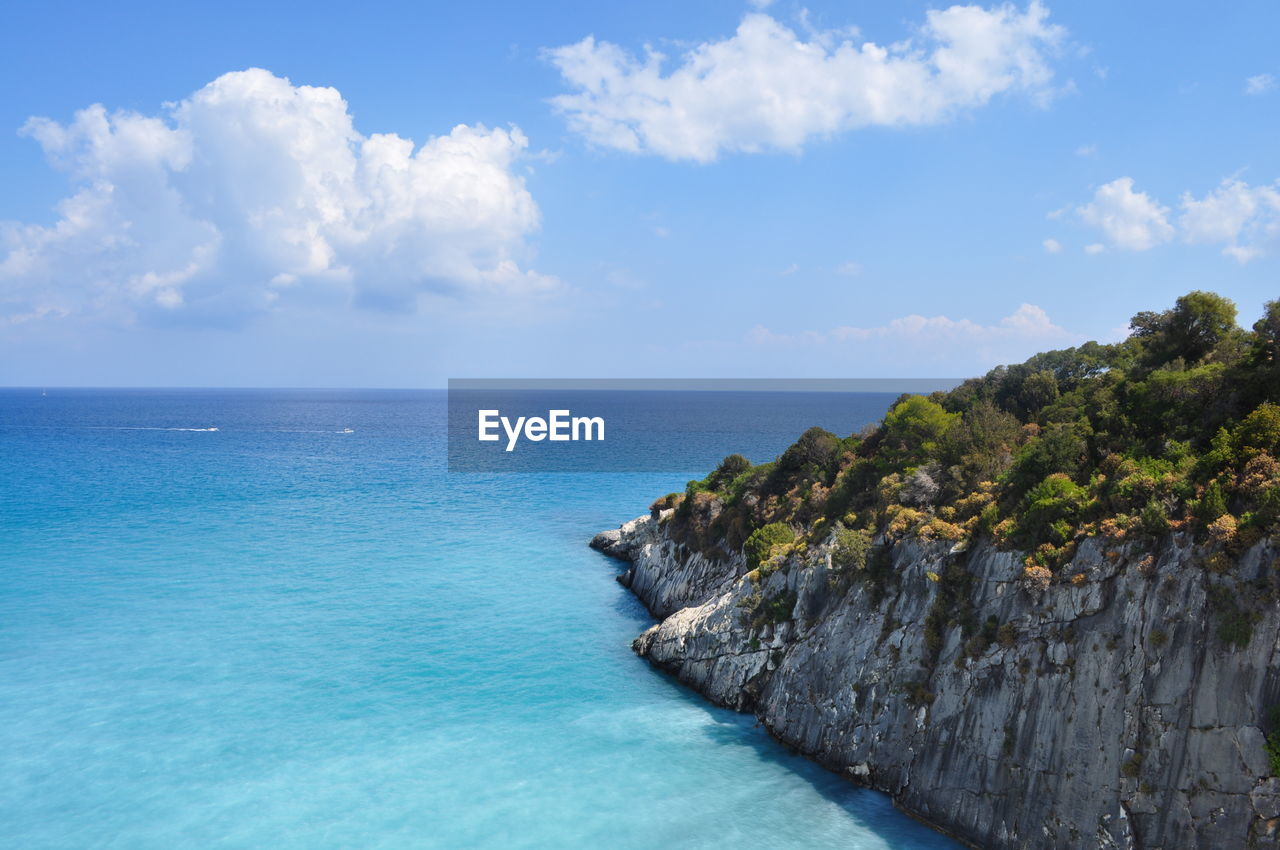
(1124, 705)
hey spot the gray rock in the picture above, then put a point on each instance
(1117, 717)
(608, 542)
(1265, 798)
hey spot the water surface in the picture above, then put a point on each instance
(281, 633)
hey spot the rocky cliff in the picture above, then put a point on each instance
(1124, 704)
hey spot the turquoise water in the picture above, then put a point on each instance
(282, 634)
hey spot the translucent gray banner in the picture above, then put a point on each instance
(652, 425)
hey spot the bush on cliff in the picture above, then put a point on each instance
(759, 610)
(760, 546)
(849, 550)
(1173, 428)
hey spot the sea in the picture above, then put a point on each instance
(274, 618)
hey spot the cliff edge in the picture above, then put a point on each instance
(1041, 609)
(1104, 710)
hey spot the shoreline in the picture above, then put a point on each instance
(990, 745)
(601, 543)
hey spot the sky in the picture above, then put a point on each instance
(394, 194)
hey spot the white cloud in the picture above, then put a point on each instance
(922, 345)
(1259, 84)
(1095, 248)
(1087, 150)
(1027, 323)
(1129, 219)
(1052, 246)
(1243, 218)
(849, 269)
(766, 88)
(253, 192)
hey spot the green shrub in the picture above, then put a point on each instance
(1272, 743)
(989, 518)
(1059, 450)
(849, 551)
(975, 646)
(727, 472)
(1052, 507)
(1176, 427)
(1260, 430)
(759, 610)
(1235, 624)
(914, 427)
(1211, 505)
(1153, 520)
(918, 694)
(760, 544)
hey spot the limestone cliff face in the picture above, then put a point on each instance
(1107, 710)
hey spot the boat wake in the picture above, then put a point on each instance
(147, 428)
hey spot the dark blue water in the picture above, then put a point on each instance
(286, 633)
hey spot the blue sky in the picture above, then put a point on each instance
(772, 199)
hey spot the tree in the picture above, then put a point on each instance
(1147, 324)
(729, 469)
(1199, 321)
(1260, 430)
(813, 456)
(1039, 389)
(1267, 335)
(982, 443)
(1059, 449)
(915, 425)
(1195, 326)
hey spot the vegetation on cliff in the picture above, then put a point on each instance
(1177, 428)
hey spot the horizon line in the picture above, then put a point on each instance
(603, 384)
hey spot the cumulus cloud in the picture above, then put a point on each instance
(1130, 220)
(1243, 219)
(1259, 84)
(767, 88)
(1052, 246)
(1028, 323)
(254, 191)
